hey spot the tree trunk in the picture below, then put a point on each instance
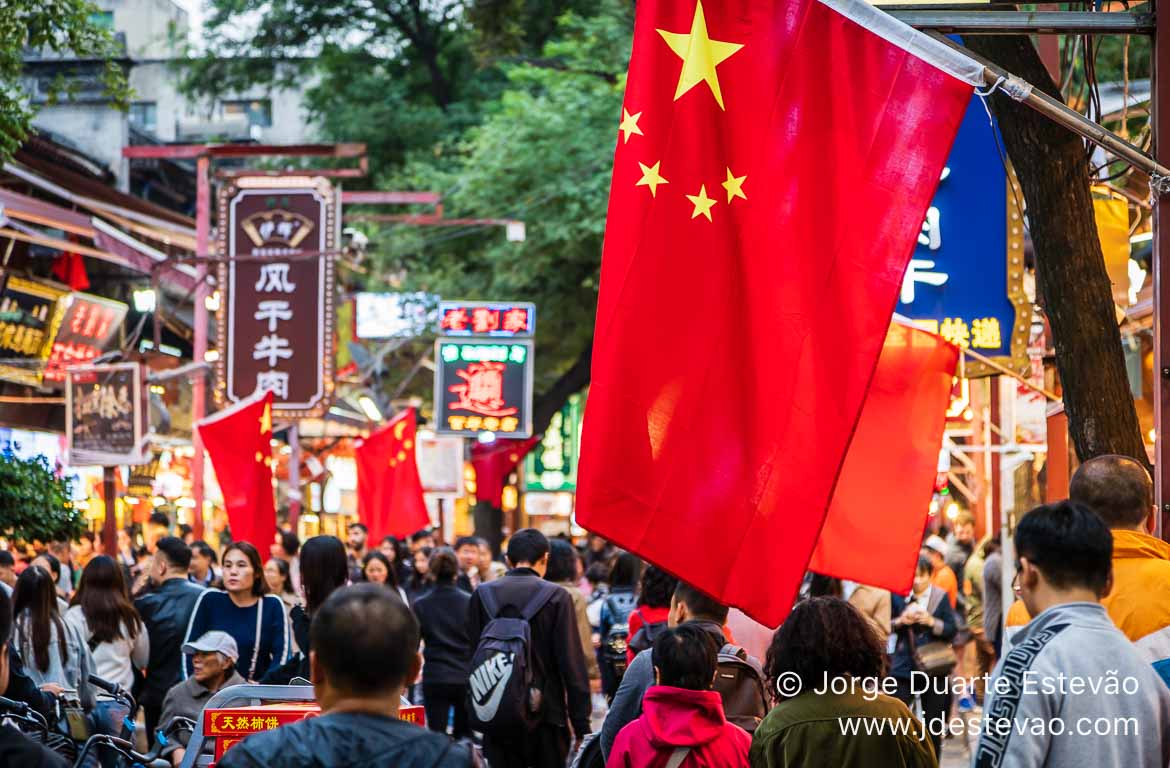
(1073, 285)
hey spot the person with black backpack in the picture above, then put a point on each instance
(615, 616)
(739, 680)
(528, 681)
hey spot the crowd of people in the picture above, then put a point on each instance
(510, 656)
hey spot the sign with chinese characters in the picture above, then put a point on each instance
(30, 314)
(552, 464)
(88, 324)
(229, 726)
(483, 386)
(275, 321)
(393, 315)
(497, 320)
(103, 425)
(965, 280)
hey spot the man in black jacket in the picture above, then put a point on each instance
(557, 659)
(166, 612)
(364, 642)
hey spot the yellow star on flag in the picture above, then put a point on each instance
(702, 203)
(629, 125)
(700, 55)
(266, 420)
(651, 178)
(734, 186)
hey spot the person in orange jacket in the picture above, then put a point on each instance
(1121, 492)
(943, 577)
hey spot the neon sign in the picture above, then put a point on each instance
(483, 387)
(88, 326)
(466, 318)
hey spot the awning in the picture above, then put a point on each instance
(33, 211)
(142, 257)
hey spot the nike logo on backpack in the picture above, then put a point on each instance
(489, 680)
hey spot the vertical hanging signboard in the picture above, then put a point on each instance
(275, 322)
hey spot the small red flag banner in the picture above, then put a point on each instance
(775, 160)
(239, 441)
(873, 531)
(390, 494)
(493, 462)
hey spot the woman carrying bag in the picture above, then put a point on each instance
(924, 626)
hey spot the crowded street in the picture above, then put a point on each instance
(584, 384)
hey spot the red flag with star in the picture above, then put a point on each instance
(774, 163)
(390, 493)
(239, 442)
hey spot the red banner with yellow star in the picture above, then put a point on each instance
(774, 164)
(239, 442)
(390, 494)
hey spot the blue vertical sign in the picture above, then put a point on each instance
(965, 279)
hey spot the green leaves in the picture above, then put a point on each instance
(35, 504)
(59, 27)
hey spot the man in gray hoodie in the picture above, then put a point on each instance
(1071, 691)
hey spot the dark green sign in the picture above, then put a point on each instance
(552, 465)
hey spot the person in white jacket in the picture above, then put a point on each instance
(1071, 691)
(102, 613)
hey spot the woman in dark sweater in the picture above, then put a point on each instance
(245, 610)
(925, 615)
(442, 618)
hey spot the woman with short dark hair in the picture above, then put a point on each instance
(825, 639)
(246, 611)
(378, 569)
(649, 616)
(563, 563)
(442, 618)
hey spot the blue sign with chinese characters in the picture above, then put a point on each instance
(965, 279)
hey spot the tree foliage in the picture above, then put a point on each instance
(59, 27)
(508, 108)
(35, 504)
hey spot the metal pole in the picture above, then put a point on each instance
(1060, 113)
(1028, 22)
(110, 524)
(199, 343)
(294, 476)
(1161, 258)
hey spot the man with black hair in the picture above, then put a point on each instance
(467, 550)
(16, 749)
(1070, 664)
(364, 655)
(7, 572)
(1121, 492)
(203, 561)
(158, 526)
(166, 611)
(688, 606)
(356, 535)
(558, 662)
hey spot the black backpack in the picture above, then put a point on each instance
(500, 690)
(616, 641)
(647, 634)
(739, 681)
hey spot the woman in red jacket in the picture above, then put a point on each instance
(682, 723)
(652, 610)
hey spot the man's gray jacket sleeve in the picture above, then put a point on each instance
(627, 702)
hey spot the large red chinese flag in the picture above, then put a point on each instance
(239, 442)
(774, 164)
(873, 531)
(390, 494)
